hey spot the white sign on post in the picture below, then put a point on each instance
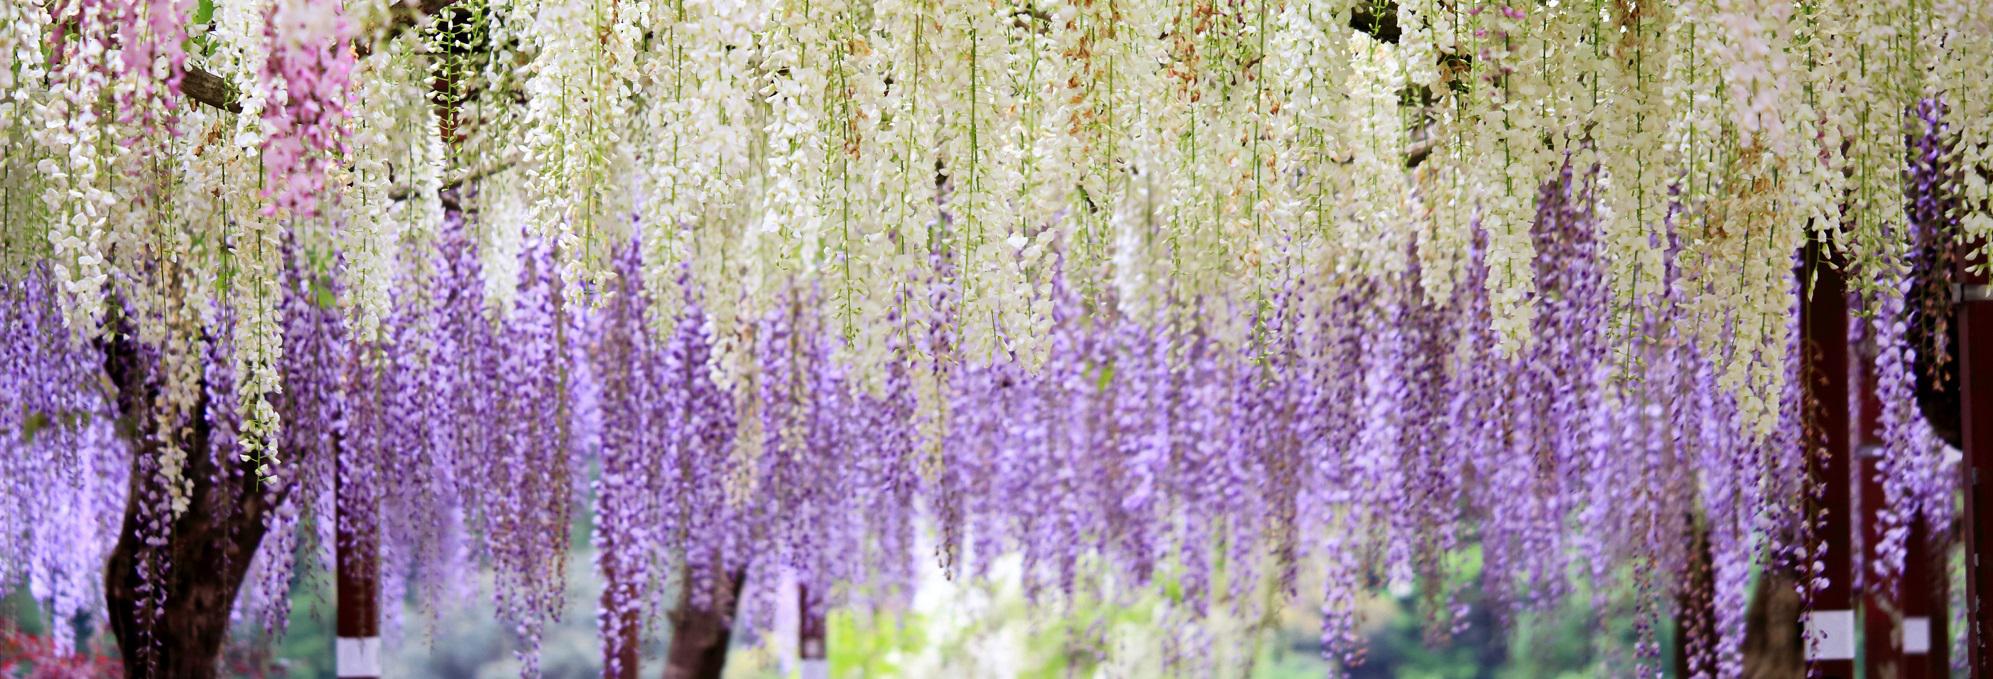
(358, 656)
(1830, 635)
(1917, 635)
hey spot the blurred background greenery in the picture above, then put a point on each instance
(962, 628)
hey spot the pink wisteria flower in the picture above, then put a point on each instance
(152, 35)
(309, 55)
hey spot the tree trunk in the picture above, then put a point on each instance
(699, 635)
(1772, 644)
(170, 603)
(1695, 608)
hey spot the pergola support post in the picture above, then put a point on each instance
(1974, 300)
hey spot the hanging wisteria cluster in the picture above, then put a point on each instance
(1223, 297)
(64, 467)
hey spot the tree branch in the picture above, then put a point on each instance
(203, 86)
(403, 192)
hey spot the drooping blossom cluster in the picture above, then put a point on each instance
(304, 133)
(1362, 434)
(62, 463)
(1353, 443)
(1917, 470)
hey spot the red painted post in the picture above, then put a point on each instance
(1926, 655)
(357, 650)
(1880, 654)
(1975, 372)
(812, 635)
(1829, 627)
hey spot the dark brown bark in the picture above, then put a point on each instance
(1773, 648)
(205, 87)
(813, 630)
(1695, 608)
(699, 635)
(201, 566)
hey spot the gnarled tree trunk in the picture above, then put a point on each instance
(170, 603)
(1695, 607)
(699, 635)
(1773, 646)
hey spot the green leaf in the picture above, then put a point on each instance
(33, 424)
(321, 294)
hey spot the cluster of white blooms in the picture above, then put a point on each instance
(1211, 83)
(977, 108)
(1353, 193)
(1963, 75)
(787, 239)
(1876, 89)
(369, 237)
(1740, 261)
(1037, 185)
(504, 222)
(1757, 65)
(219, 187)
(578, 98)
(22, 27)
(1154, 141)
(221, 199)
(1375, 231)
(1629, 124)
(395, 179)
(901, 167)
(698, 127)
(74, 140)
(421, 211)
(165, 300)
(23, 30)
(1507, 158)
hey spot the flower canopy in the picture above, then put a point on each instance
(1212, 294)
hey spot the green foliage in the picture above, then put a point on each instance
(20, 610)
(874, 645)
(32, 424)
(994, 629)
(304, 649)
(198, 40)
